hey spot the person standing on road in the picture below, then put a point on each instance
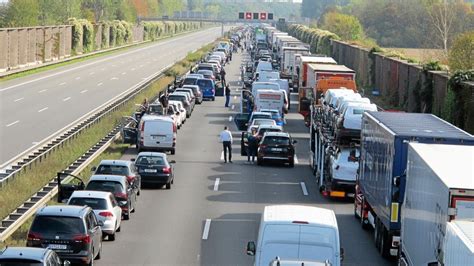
(227, 95)
(252, 145)
(164, 103)
(226, 139)
(223, 77)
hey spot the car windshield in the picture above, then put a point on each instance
(275, 140)
(57, 224)
(262, 116)
(358, 111)
(258, 122)
(155, 109)
(94, 203)
(19, 262)
(112, 170)
(263, 130)
(150, 160)
(103, 185)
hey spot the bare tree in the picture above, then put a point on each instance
(442, 14)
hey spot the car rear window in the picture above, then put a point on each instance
(108, 186)
(204, 83)
(262, 117)
(276, 140)
(358, 111)
(177, 98)
(112, 170)
(189, 81)
(150, 160)
(57, 224)
(94, 203)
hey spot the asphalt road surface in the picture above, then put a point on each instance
(213, 209)
(37, 106)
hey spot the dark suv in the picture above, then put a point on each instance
(73, 232)
(23, 256)
(276, 146)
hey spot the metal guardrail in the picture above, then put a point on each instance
(58, 139)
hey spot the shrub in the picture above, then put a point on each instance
(77, 32)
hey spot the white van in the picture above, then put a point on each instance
(156, 133)
(270, 99)
(266, 75)
(294, 232)
(256, 86)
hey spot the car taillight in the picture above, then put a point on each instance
(106, 214)
(166, 170)
(34, 236)
(121, 195)
(130, 178)
(86, 239)
(174, 128)
(142, 127)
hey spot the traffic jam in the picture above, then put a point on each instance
(408, 175)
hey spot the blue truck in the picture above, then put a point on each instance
(380, 185)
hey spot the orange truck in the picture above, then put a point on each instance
(320, 78)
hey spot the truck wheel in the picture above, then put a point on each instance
(377, 234)
(384, 246)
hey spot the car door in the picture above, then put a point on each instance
(53, 259)
(116, 209)
(241, 120)
(95, 232)
(130, 130)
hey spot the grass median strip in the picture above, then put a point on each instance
(33, 179)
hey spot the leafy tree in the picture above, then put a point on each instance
(461, 55)
(22, 13)
(346, 26)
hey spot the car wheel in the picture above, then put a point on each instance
(100, 251)
(291, 163)
(172, 181)
(168, 185)
(112, 237)
(126, 216)
(213, 98)
(173, 151)
(119, 229)
(259, 161)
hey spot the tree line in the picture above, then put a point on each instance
(402, 23)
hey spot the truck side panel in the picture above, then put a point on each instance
(420, 217)
(459, 243)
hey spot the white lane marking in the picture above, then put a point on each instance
(66, 99)
(11, 124)
(296, 159)
(41, 91)
(84, 91)
(207, 226)
(19, 99)
(78, 78)
(34, 142)
(124, 73)
(133, 69)
(114, 78)
(141, 66)
(103, 60)
(235, 97)
(100, 84)
(233, 107)
(216, 184)
(222, 155)
(44, 109)
(303, 187)
(91, 73)
(230, 117)
(64, 83)
(114, 65)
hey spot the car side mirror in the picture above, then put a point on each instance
(172, 161)
(132, 159)
(342, 254)
(93, 169)
(251, 248)
(294, 141)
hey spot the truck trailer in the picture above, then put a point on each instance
(439, 190)
(380, 186)
(458, 248)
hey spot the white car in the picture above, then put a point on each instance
(180, 107)
(105, 207)
(256, 123)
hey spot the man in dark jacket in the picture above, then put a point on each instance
(252, 145)
(164, 103)
(223, 77)
(227, 95)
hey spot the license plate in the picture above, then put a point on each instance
(57, 246)
(150, 170)
(158, 137)
(277, 149)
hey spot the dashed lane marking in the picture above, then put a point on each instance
(44, 109)
(13, 123)
(303, 187)
(41, 91)
(216, 184)
(84, 91)
(100, 84)
(61, 84)
(66, 99)
(19, 99)
(207, 226)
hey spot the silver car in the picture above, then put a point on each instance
(105, 207)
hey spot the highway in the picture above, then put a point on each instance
(213, 209)
(33, 108)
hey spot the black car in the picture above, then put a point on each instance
(155, 169)
(73, 232)
(120, 167)
(23, 256)
(276, 146)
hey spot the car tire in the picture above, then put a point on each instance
(291, 163)
(111, 237)
(172, 181)
(259, 161)
(168, 185)
(119, 228)
(173, 151)
(99, 253)
(213, 98)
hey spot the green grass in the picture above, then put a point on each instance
(85, 58)
(29, 181)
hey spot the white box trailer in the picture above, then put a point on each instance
(288, 59)
(458, 248)
(301, 66)
(439, 189)
(274, 38)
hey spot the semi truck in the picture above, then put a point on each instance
(439, 191)
(381, 183)
(302, 67)
(288, 60)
